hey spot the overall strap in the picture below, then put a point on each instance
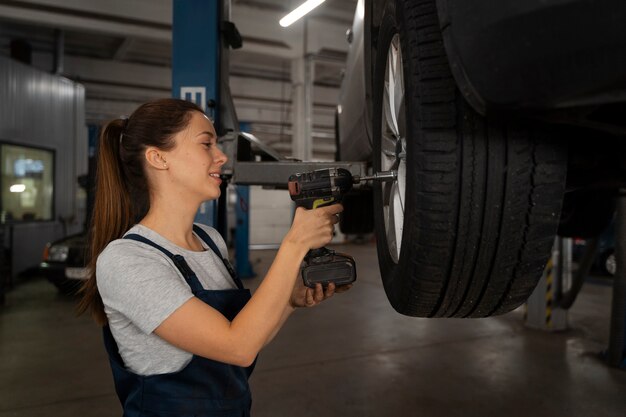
(179, 261)
(207, 239)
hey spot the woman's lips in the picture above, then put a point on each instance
(216, 177)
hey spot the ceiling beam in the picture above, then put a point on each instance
(130, 75)
(155, 12)
(152, 19)
(115, 72)
(60, 20)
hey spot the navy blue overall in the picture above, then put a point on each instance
(204, 388)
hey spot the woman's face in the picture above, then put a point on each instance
(195, 163)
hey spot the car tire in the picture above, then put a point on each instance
(586, 213)
(482, 197)
(608, 263)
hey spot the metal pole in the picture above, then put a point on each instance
(616, 355)
(242, 233)
(59, 51)
(308, 96)
(242, 228)
(302, 102)
(196, 46)
(541, 310)
(309, 76)
(221, 221)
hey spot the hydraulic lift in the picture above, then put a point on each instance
(547, 308)
(202, 36)
(200, 68)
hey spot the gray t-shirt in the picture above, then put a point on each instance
(140, 287)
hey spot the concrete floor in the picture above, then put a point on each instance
(352, 356)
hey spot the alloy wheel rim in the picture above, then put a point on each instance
(611, 264)
(393, 148)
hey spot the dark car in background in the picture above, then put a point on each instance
(64, 263)
(503, 120)
(604, 260)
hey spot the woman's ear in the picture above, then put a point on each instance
(156, 158)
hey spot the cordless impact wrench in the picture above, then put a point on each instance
(320, 188)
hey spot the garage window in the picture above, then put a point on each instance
(27, 183)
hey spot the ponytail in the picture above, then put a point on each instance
(122, 189)
(112, 213)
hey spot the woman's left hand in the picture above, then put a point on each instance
(308, 297)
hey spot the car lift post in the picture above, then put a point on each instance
(196, 68)
(547, 307)
(201, 38)
(542, 311)
(242, 228)
(616, 353)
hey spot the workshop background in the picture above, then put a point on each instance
(68, 66)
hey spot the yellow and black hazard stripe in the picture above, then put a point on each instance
(549, 292)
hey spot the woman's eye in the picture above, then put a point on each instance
(207, 144)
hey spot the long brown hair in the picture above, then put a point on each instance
(122, 189)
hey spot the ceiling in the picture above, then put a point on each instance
(104, 42)
(99, 44)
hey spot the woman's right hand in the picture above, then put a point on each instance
(313, 229)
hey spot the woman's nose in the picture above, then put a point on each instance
(221, 157)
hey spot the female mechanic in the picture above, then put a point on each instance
(181, 332)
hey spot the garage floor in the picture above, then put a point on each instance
(352, 356)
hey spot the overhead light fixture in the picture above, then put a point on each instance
(300, 11)
(17, 188)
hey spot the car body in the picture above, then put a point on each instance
(604, 261)
(492, 43)
(64, 263)
(493, 115)
(353, 124)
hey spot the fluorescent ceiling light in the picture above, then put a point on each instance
(300, 11)
(17, 188)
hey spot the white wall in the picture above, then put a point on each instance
(271, 212)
